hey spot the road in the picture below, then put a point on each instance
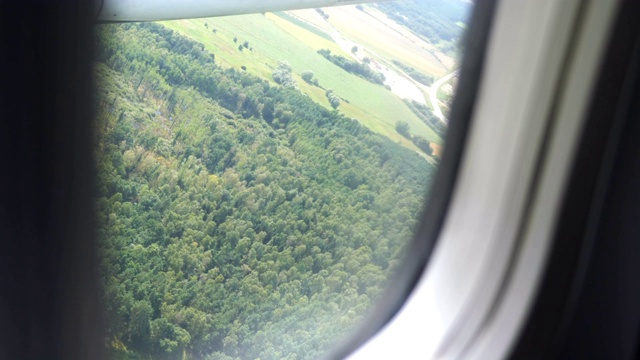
(433, 95)
(400, 88)
(400, 83)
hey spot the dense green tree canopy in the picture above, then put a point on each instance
(237, 219)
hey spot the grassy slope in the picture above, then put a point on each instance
(274, 39)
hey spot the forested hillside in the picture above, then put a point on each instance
(238, 219)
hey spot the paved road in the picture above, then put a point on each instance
(433, 95)
(400, 82)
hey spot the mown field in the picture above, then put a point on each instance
(271, 38)
(313, 17)
(388, 39)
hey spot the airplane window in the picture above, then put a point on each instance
(260, 177)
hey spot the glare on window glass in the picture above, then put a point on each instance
(261, 176)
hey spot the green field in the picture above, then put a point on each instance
(272, 38)
(294, 20)
(387, 39)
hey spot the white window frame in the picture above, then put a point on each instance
(475, 293)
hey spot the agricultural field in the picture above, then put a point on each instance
(389, 40)
(272, 38)
(312, 17)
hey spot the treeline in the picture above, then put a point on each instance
(403, 128)
(354, 67)
(238, 220)
(323, 14)
(436, 20)
(426, 115)
(413, 73)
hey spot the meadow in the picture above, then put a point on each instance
(272, 38)
(388, 39)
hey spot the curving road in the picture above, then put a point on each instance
(400, 82)
(347, 44)
(433, 95)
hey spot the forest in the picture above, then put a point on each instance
(238, 219)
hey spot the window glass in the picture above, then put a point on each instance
(261, 176)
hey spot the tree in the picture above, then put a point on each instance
(284, 65)
(282, 75)
(235, 39)
(245, 44)
(268, 111)
(402, 127)
(323, 14)
(354, 49)
(307, 75)
(334, 99)
(423, 144)
(139, 325)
